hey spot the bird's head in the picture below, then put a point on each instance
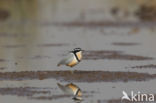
(77, 50)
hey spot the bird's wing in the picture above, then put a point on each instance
(67, 59)
(65, 89)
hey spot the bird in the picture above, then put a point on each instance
(72, 59)
(71, 89)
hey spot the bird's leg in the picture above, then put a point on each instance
(72, 71)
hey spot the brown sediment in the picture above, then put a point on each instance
(51, 97)
(78, 76)
(89, 92)
(9, 35)
(51, 45)
(117, 55)
(13, 46)
(2, 68)
(4, 14)
(124, 44)
(149, 66)
(33, 93)
(105, 24)
(24, 91)
(35, 57)
(2, 60)
(56, 97)
(40, 57)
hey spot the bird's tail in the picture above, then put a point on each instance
(59, 84)
(62, 87)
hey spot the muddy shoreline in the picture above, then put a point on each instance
(78, 76)
(115, 55)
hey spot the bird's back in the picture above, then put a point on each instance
(67, 59)
(65, 89)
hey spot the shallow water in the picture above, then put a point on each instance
(33, 40)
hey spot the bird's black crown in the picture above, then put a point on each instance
(77, 49)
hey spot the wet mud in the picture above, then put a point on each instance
(2, 68)
(37, 93)
(8, 35)
(105, 24)
(56, 97)
(2, 60)
(36, 57)
(51, 97)
(40, 57)
(14, 46)
(4, 14)
(149, 66)
(117, 55)
(25, 91)
(52, 45)
(78, 76)
(124, 44)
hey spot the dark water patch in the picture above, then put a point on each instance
(52, 45)
(4, 14)
(105, 24)
(149, 66)
(36, 57)
(78, 76)
(124, 44)
(51, 97)
(116, 55)
(40, 57)
(14, 46)
(24, 91)
(89, 92)
(9, 35)
(2, 60)
(115, 10)
(2, 68)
